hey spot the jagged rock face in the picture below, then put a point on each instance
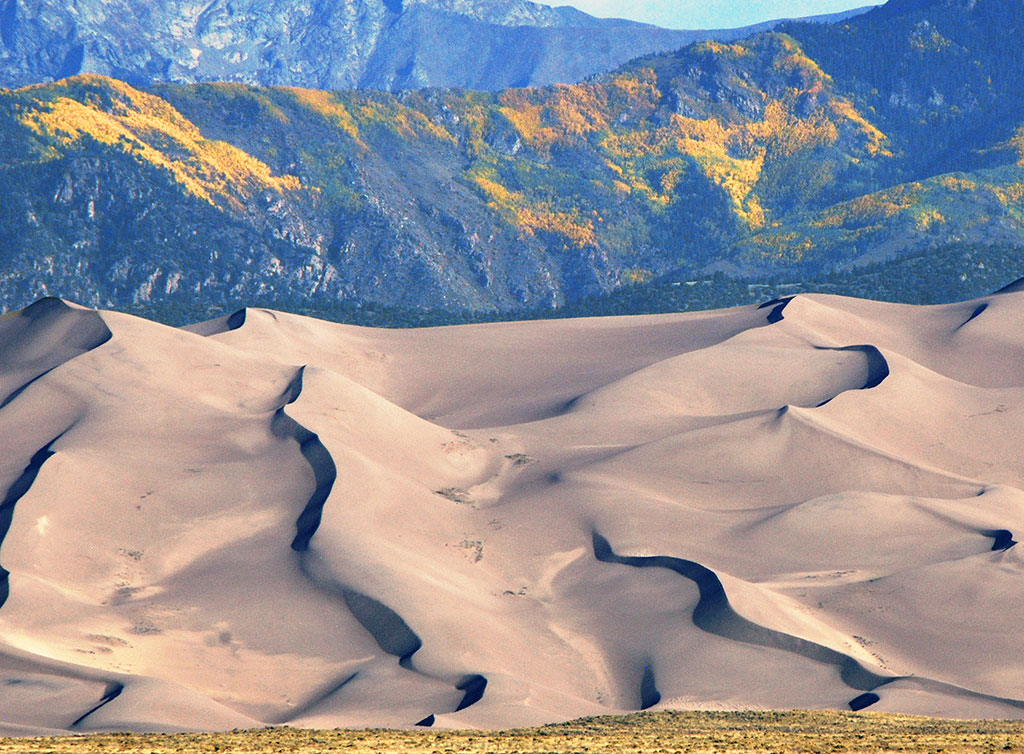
(324, 44)
(384, 44)
(271, 41)
(514, 13)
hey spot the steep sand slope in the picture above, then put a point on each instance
(266, 519)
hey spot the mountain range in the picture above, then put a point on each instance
(812, 150)
(324, 44)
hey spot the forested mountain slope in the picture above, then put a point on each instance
(897, 133)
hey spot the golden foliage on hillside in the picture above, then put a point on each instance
(957, 183)
(329, 106)
(625, 128)
(1017, 142)
(723, 48)
(871, 209)
(649, 157)
(1009, 194)
(794, 60)
(532, 217)
(876, 140)
(395, 117)
(142, 125)
(953, 207)
(576, 161)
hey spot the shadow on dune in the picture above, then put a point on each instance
(1014, 287)
(864, 701)
(67, 333)
(778, 306)
(226, 322)
(716, 615)
(237, 319)
(974, 315)
(18, 489)
(474, 687)
(388, 629)
(325, 473)
(649, 694)
(878, 367)
(114, 689)
(318, 696)
(1002, 539)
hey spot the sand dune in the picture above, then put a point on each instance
(265, 519)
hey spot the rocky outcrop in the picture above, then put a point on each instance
(381, 44)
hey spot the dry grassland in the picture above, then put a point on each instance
(663, 732)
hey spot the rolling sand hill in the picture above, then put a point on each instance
(267, 519)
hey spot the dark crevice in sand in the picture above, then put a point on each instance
(317, 698)
(293, 390)
(716, 615)
(237, 319)
(878, 366)
(387, 627)
(325, 473)
(392, 634)
(1003, 539)
(18, 489)
(1014, 287)
(974, 315)
(24, 387)
(649, 694)
(569, 405)
(778, 306)
(864, 701)
(77, 331)
(113, 691)
(474, 687)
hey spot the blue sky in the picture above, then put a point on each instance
(709, 14)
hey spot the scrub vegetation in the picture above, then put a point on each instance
(689, 732)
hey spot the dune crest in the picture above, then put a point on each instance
(265, 519)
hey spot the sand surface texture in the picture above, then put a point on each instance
(266, 519)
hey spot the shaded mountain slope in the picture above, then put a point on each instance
(781, 154)
(377, 44)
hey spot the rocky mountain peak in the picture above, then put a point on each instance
(322, 44)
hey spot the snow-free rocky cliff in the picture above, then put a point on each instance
(325, 44)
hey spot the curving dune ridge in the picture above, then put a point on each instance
(265, 519)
